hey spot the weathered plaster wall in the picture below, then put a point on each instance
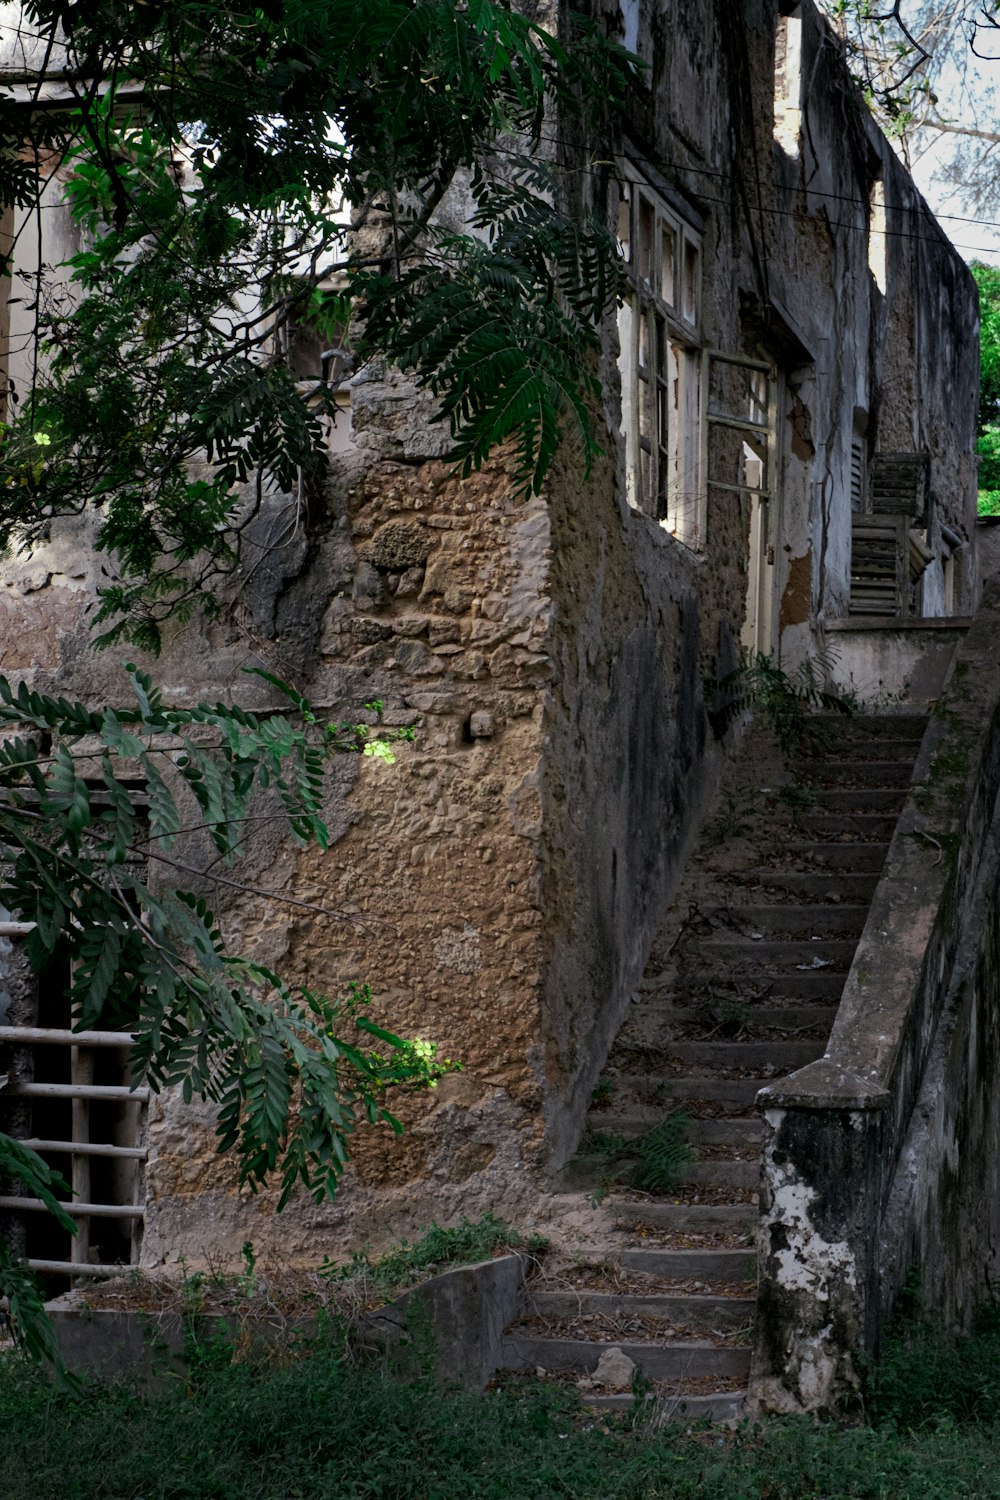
(791, 242)
(430, 594)
(444, 617)
(626, 767)
(886, 662)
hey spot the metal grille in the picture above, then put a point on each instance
(66, 1096)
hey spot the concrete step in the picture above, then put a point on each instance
(841, 856)
(630, 1116)
(740, 1130)
(853, 773)
(882, 800)
(723, 1173)
(726, 1054)
(695, 1311)
(636, 1091)
(811, 917)
(684, 1359)
(877, 747)
(693, 1265)
(777, 953)
(590, 1171)
(851, 887)
(633, 1090)
(858, 728)
(787, 1018)
(801, 985)
(866, 826)
(685, 1218)
(654, 1025)
(590, 1168)
(660, 1407)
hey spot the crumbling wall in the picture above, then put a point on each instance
(626, 768)
(429, 594)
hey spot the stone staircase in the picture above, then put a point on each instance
(741, 987)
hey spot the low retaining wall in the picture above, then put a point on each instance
(878, 658)
(457, 1317)
(881, 1158)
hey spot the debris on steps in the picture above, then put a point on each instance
(741, 987)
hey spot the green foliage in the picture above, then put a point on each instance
(988, 426)
(889, 58)
(208, 246)
(784, 701)
(25, 1318)
(927, 1377)
(322, 1425)
(654, 1162)
(730, 822)
(662, 1155)
(988, 281)
(503, 329)
(988, 450)
(464, 1243)
(292, 1071)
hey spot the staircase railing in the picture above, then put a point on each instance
(879, 1161)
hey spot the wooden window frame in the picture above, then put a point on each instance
(660, 359)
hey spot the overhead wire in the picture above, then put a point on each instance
(661, 165)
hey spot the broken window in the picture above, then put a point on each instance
(629, 10)
(788, 79)
(659, 360)
(877, 235)
(321, 360)
(740, 411)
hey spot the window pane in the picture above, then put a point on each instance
(758, 396)
(645, 478)
(692, 280)
(668, 267)
(625, 222)
(647, 226)
(645, 405)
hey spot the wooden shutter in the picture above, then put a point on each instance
(899, 485)
(877, 584)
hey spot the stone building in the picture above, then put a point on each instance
(790, 396)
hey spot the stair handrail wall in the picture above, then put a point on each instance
(879, 1160)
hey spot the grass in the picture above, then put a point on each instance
(464, 1243)
(318, 1426)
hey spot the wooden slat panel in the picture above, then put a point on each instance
(92, 1148)
(74, 1091)
(59, 1038)
(875, 566)
(75, 1210)
(67, 1268)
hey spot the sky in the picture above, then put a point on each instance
(962, 100)
(975, 233)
